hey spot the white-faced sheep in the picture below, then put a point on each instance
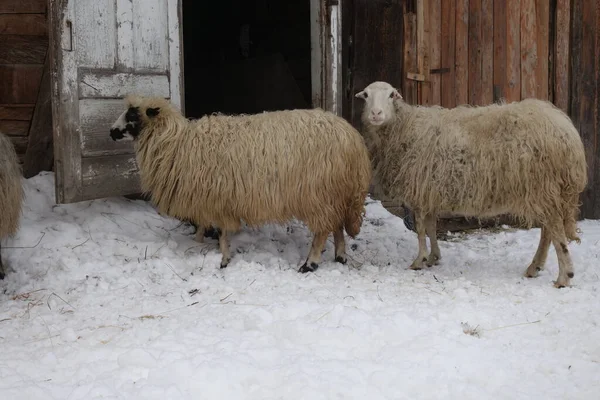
(11, 192)
(524, 159)
(272, 167)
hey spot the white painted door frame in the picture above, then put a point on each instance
(326, 54)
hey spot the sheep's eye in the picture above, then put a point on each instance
(392, 95)
(366, 95)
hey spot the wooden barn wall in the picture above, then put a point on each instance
(23, 47)
(480, 51)
(584, 96)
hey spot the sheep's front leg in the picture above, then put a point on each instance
(537, 264)
(421, 230)
(314, 257)
(224, 247)
(431, 228)
(340, 246)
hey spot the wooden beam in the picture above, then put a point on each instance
(40, 153)
(500, 51)
(23, 24)
(562, 54)
(23, 49)
(448, 87)
(23, 6)
(17, 112)
(462, 52)
(513, 50)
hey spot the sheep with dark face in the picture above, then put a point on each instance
(524, 159)
(11, 192)
(266, 168)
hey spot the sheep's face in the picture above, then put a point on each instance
(130, 122)
(379, 100)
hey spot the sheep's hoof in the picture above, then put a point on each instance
(532, 272)
(224, 263)
(308, 268)
(560, 285)
(341, 260)
(417, 265)
(1, 275)
(433, 260)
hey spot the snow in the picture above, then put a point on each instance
(107, 299)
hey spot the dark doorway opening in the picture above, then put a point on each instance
(246, 56)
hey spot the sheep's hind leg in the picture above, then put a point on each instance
(314, 257)
(200, 234)
(421, 231)
(431, 228)
(340, 246)
(537, 264)
(224, 247)
(565, 264)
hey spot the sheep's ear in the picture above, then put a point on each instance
(396, 95)
(361, 95)
(152, 112)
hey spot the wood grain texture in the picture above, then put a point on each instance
(109, 176)
(410, 57)
(475, 52)
(487, 52)
(23, 24)
(23, 6)
(14, 128)
(63, 67)
(18, 112)
(95, 33)
(23, 49)
(513, 50)
(435, 49)
(500, 51)
(462, 52)
(106, 84)
(448, 46)
(20, 83)
(529, 50)
(150, 35)
(542, 14)
(562, 54)
(40, 155)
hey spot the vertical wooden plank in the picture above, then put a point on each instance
(435, 44)
(95, 33)
(529, 53)
(125, 43)
(410, 56)
(175, 54)
(462, 52)
(448, 88)
(63, 78)
(150, 39)
(542, 10)
(596, 111)
(562, 54)
(487, 51)
(475, 52)
(500, 61)
(39, 155)
(423, 55)
(513, 50)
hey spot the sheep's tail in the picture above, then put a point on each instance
(570, 220)
(354, 215)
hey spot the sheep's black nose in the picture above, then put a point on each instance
(116, 134)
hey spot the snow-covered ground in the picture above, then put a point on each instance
(106, 299)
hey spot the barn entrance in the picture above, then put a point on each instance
(246, 56)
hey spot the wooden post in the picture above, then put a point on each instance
(40, 154)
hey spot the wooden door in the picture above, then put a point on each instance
(374, 46)
(102, 50)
